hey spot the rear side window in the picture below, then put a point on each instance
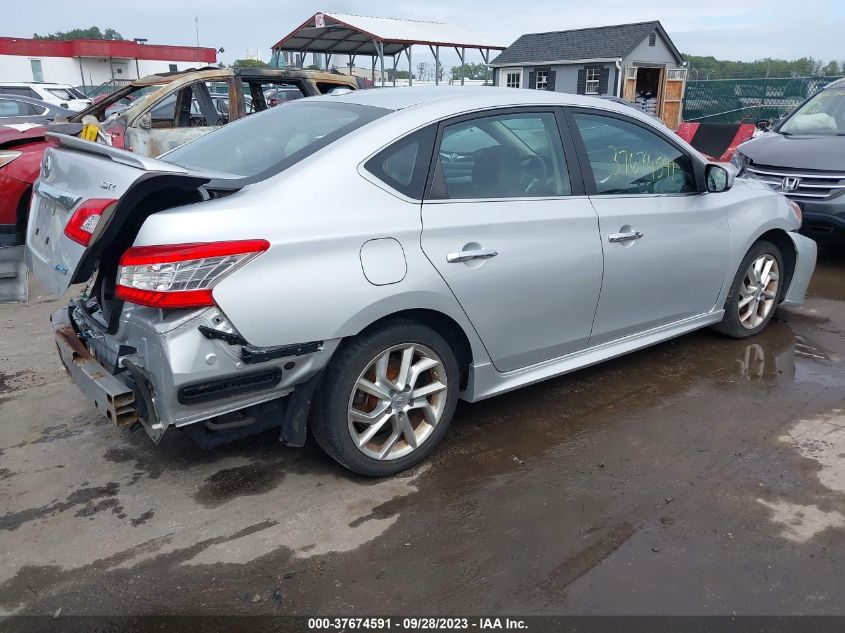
(268, 142)
(21, 91)
(9, 108)
(404, 164)
(513, 155)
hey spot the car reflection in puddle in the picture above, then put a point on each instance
(780, 355)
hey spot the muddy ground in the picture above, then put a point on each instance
(701, 476)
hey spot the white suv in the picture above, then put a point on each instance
(62, 95)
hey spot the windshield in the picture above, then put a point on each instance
(823, 115)
(270, 141)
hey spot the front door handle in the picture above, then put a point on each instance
(624, 237)
(465, 256)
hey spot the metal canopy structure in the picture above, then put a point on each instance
(354, 35)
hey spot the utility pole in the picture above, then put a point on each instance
(197, 29)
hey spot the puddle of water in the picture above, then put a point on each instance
(801, 523)
(822, 439)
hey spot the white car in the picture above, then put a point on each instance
(62, 95)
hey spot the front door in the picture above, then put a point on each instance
(665, 244)
(507, 226)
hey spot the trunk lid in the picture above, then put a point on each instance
(72, 173)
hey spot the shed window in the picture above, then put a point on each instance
(592, 85)
(512, 79)
(652, 39)
(542, 80)
(173, 68)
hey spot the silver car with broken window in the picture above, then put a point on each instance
(355, 264)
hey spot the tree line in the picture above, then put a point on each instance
(711, 68)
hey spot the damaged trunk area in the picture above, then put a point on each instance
(157, 366)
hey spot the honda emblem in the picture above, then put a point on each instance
(790, 184)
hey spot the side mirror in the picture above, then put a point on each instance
(763, 124)
(145, 121)
(718, 178)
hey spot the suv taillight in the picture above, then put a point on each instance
(180, 275)
(82, 224)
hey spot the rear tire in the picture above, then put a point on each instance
(755, 292)
(410, 379)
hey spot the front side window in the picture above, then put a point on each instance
(61, 93)
(512, 79)
(823, 115)
(542, 80)
(592, 85)
(628, 159)
(506, 156)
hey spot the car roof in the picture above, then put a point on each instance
(31, 100)
(43, 84)
(835, 84)
(469, 98)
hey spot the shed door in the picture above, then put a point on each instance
(629, 89)
(673, 97)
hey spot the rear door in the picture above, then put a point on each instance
(666, 245)
(507, 226)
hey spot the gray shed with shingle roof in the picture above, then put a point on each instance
(635, 61)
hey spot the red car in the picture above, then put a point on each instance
(20, 163)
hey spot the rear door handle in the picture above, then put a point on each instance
(465, 256)
(624, 237)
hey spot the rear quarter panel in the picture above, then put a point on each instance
(310, 285)
(17, 177)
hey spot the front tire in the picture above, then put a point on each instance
(386, 399)
(755, 292)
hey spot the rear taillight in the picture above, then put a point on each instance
(82, 224)
(180, 275)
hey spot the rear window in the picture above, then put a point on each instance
(268, 142)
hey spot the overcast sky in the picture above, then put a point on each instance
(726, 29)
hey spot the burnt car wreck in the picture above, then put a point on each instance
(155, 114)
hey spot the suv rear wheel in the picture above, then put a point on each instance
(386, 399)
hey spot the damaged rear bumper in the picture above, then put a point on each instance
(113, 398)
(167, 371)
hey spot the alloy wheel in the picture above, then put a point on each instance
(397, 401)
(759, 291)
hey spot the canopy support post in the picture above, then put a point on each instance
(381, 61)
(410, 67)
(395, 62)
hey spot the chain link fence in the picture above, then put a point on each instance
(747, 100)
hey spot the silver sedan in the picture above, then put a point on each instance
(355, 264)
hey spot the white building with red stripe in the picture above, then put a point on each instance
(94, 62)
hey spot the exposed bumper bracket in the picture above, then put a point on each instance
(113, 398)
